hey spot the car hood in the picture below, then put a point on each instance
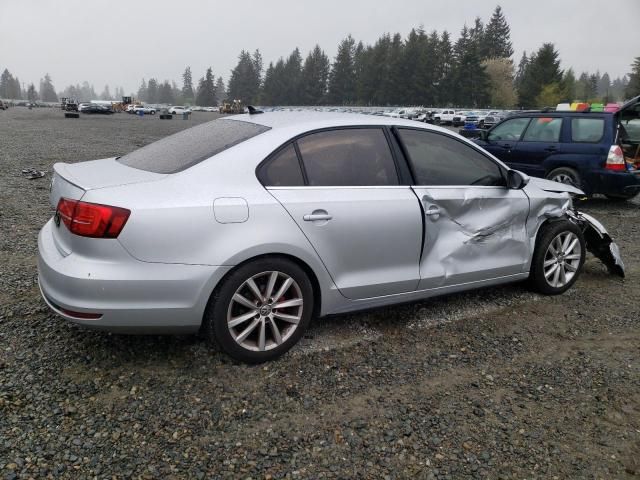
(556, 187)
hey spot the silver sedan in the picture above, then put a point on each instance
(247, 227)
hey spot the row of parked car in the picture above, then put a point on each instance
(450, 116)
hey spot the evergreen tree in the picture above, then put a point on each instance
(476, 38)
(152, 91)
(445, 59)
(206, 96)
(568, 85)
(361, 57)
(245, 80)
(221, 92)
(522, 68)
(470, 84)
(32, 95)
(6, 84)
(497, 37)
(166, 93)
(314, 77)
(604, 87)
(342, 85)
(187, 86)
(632, 89)
(293, 78)
(542, 69)
(106, 94)
(143, 91)
(47, 91)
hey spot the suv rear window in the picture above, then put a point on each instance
(190, 147)
(589, 130)
(543, 129)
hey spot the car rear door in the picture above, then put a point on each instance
(541, 141)
(503, 138)
(349, 202)
(474, 225)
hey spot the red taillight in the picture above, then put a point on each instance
(615, 159)
(91, 219)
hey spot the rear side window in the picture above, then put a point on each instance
(588, 130)
(543, 129)
(349, 157)
(441, 160)
(189, 147)
(283, 170)
(509, 130)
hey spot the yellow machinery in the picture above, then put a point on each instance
(234, 107)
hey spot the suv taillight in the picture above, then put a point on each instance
(91, 219)
(615, 159)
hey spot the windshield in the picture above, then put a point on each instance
(189, 147)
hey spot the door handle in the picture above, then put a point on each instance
(551, 149)
(506, 146)
(317, 216)
(433, 212)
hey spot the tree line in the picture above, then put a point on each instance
(476, 69)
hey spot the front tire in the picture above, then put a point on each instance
(558, 257)
(260, 310)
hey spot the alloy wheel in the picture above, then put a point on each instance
(265, 311)
(564, 178)
(562, 259)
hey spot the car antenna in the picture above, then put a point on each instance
(253, 110)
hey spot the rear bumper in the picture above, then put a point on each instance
(131, 296)
(616, 183)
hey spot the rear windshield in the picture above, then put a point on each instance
(189, 147)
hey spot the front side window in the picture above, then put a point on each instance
(543, 129)
(283, 170)
(348, 157)
(438, 159)
(509, 130)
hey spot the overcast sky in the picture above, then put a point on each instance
(121, 41)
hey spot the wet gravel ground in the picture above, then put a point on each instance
(498, 383)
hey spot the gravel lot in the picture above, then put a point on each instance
(499, 383)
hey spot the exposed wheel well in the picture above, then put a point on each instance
(317, 293)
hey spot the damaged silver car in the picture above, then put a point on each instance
(249, 226)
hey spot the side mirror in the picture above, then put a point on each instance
(516, 180)
(484, 135)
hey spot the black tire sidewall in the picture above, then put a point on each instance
(215, 320)
(546, 235)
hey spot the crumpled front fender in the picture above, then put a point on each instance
(598, 241)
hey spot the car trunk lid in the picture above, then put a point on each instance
(72, 181)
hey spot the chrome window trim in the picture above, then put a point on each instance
(343, 187)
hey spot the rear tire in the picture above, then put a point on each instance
(566, 175)
(557, 258)
(248, 324)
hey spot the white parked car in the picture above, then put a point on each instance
(445, 117)
(143, 108)
(178, 110)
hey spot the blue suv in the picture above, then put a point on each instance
(598, 152)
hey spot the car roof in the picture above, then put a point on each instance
(567, 113)
(304, 121)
